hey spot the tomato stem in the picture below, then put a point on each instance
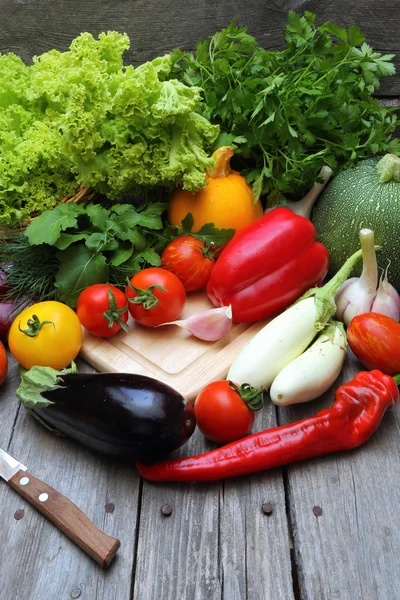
(113, 314)
(145, 297)
(34, 326)
(397, 378)
(250, 395)
(208, 251)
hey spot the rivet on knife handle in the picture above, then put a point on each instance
(66, 516)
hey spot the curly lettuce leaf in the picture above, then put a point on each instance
(187, 160)
(82, 117)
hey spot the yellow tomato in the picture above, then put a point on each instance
(47, 334)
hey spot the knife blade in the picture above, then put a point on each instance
(63, 513)
(9, 466)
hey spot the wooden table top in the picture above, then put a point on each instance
(333, 530)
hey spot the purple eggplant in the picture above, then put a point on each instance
(122, 415)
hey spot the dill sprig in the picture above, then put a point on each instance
(30, 270)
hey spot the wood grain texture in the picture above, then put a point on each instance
(53, 566)
(170, 353)
(255, 554)
(30, 27)
(351, 550)
(217, 543)
(178, 555)
(66, 516)
(9, 405)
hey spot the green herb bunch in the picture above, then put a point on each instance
(72, 246)
(293, 111)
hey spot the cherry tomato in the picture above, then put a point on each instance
(103, 309)
(155, 296)
(375, 340)
(190, 260)
(47, 334)
(3, 363)
(222, 415)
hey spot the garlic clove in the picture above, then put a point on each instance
(208, 325)
(387, 299)
(347, 292)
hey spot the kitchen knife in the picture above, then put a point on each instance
(59, 510)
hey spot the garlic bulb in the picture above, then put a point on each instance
(357, 293)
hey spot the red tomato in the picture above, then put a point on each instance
(155, 296)
(221, 414)
(102, 309)
(3, 363)
(375, 340)
(190, 260)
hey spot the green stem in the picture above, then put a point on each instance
(208, 251)
(34, 326)
(251, 396)
(113, 314)
(343, 61)
(389, 168)
(145, 297)
(369, 275)
(397, 378)
(297, 81)
(325, 296)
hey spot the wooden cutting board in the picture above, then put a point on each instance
(170, 353)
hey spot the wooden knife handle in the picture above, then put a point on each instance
(66, 516)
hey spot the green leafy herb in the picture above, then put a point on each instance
(47, 229)
(290, 112)
(79, 268)
(30, 270)
(207, 233)
(73, 246)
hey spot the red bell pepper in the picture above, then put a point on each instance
(267, 266)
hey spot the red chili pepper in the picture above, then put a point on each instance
(267, 266)
(358, 409)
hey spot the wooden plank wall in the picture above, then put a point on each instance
(30, 27)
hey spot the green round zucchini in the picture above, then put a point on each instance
(368, 195)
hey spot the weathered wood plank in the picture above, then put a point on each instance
(217, 543)
(8, 405)
(255, 557)
(52, 565)
(178, 555)
(350, 551)
(29, 28)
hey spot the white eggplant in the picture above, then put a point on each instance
(287, 336)
(312, 373)
(275, 345)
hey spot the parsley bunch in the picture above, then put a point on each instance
(290, 112)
